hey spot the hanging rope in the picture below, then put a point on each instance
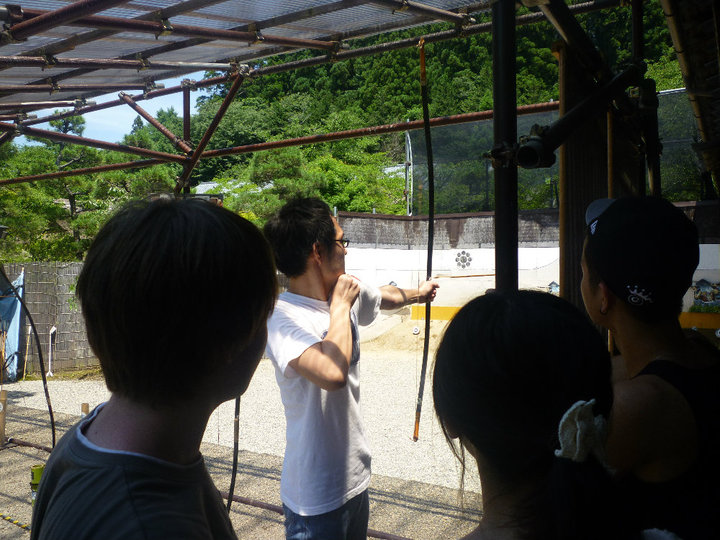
(431, 229)
(236, 438)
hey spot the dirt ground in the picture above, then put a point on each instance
(398, 508)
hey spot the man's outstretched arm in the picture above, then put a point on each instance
(394, 297)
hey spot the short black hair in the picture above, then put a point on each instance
(169, 289)
(295, 228)
(645, 249)
(509, 365)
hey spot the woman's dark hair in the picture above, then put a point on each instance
(509, 366)
(169, 290)
(294, 230)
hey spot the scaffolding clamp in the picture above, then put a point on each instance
(144, 62)
(189, 83)
(404, 7)
(54, 86)
(502, 155)
(50, 61)
(166, 29)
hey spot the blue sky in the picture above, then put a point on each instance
(113, 123)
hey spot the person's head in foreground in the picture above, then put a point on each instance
(522, 383)
(175, 295)
(639, 256)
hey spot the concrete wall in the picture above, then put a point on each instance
(50, 297)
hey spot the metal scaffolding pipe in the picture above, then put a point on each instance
(372, 131)
(109, 104)
(504, 51)
(36, 105)
(167, 27)
(561, 17)
(190, 165)
(186, 112)
(53, 88)
(424, 10)
(537, 151)
(177, 141)
(377, 130)
(140, 164)
(100, 63)
(74, 139)
(64, 15)
(20, 442)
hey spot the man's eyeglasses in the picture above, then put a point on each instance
(344, 242)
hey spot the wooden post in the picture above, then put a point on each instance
(3, 407)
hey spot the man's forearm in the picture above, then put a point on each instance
(394, 297)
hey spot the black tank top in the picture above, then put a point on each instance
(688, 505)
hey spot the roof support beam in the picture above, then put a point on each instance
(46, 62)
(54, 88)
(140, 164)
(50, 19)
(74, 139)
(183, 180)
(425, 10)
(374, 130)
(312, 139)
(158, 28)
(109, 104)
(37, 105)
(177, 141)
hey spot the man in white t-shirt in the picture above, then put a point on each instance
(313, 344)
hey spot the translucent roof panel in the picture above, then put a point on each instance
(183, 32)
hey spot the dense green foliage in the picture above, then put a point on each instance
(54, 219)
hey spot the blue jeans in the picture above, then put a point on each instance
(349, 522)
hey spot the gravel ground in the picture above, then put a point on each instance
(414, 488)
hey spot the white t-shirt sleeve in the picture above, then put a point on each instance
(287, 341)
(367, 306)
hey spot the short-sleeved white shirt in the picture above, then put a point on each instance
(327, 458)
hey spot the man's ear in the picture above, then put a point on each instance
(607, 298)
(317, 253)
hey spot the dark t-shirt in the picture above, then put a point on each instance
(90, 493)
(689, 504)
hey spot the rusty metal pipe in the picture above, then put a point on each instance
(190, 165)
(177, 141)
(186, 113)
(140, 164)
(74, 139)
(100, 63)
(64, 15)
(13, 88)
(375, 130)
(157, 28)
(423, 10)
(35, 105)
(149, 95)
(20, 442)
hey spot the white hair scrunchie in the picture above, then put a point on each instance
(581, 433)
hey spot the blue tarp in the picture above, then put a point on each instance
(10, 313)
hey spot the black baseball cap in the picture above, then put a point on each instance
(645, 249)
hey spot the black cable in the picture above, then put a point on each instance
(431, 230)
(39, 350)
(236, 438)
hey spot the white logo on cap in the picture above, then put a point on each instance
(593, 226)
(637, 296)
